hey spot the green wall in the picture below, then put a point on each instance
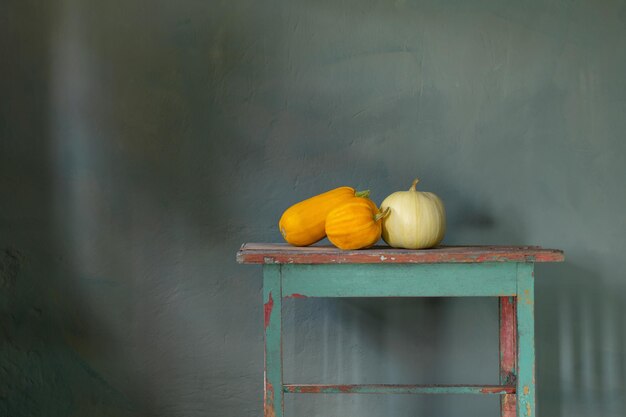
(142, 142)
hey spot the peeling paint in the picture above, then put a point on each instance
(527, 298)
(508, 405)
(268, 408)
(397, 389)
(269, 305)
(255, 253)
(296, 295)
(508, 340)
(494, 390)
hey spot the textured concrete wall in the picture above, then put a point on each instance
(142, 142)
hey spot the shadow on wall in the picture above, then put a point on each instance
(121, 178)
(40, 373)
(581, 331)
(123, 157)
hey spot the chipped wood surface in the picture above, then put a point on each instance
(279, 253)
(508, 405)
(508, 352)
(396, 389)
(508, 340)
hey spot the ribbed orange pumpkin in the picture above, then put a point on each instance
(355, 225)
(303, 223)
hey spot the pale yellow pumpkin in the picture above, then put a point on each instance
(417, 220)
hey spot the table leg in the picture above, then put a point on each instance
(272, 306)
(508, 352)
(525, 341)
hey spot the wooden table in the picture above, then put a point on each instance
(505, 272)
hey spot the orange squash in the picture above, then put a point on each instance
(303, 223)
(355, 225)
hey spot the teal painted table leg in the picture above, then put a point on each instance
(273, 397)
(526, 341)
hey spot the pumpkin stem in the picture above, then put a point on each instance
(415, 181)
(363, 194)
(382, 214)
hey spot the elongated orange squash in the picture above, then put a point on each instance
(355, 225)
(303, 223)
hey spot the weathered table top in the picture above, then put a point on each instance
(282, 253)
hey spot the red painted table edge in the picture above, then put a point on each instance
(279, 253)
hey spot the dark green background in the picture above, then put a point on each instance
(142, 142)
